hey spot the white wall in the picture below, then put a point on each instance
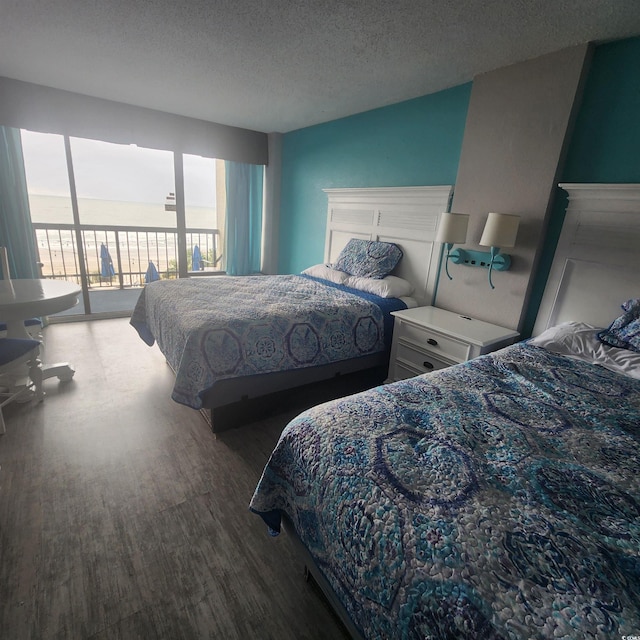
(29, 106)
(517, 127)
(271, 219)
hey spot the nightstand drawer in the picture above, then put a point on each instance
(435, 342)
(420, 361)
(428, 339)
(403, 371)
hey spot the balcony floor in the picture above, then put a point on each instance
(106, 300)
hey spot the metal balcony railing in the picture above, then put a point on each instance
(130, 250)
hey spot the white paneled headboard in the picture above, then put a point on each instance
(597, 262)
(408, 216)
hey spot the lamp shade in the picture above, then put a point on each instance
(500, 230)
(452, 228)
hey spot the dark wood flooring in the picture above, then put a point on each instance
(123, 516)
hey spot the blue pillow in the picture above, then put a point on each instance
(368, 258)
(624, 332)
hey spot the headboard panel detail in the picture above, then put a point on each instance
(595, 267)
(341, 216)
(407, 216)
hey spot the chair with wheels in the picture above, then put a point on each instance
(15, 353)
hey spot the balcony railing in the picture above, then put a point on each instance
(131, 249)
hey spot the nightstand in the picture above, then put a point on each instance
(426, 339)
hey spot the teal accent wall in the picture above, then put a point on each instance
(605, 144)
(412, 143)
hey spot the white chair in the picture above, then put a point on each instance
(14, 354)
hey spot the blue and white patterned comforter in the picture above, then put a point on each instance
(499, 498)
(214, 328)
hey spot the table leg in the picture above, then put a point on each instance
(17, 329)
(61, 370)
(35, 373)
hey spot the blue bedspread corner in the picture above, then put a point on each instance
(143, 332)
(139, 320)
(273, 520)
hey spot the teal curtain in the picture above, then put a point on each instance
(243, 228)
(16, 232)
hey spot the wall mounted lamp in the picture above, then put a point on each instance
(500, 231)
(452, 230)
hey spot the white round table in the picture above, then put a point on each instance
(24, 299)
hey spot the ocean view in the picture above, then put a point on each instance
(112, 212)
(58, 252)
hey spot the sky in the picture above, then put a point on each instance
(108, 171)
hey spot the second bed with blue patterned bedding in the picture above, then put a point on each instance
(212, 329)
(499, 498)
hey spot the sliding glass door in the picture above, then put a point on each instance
(126, 230)
(204, 205)
(106, 215)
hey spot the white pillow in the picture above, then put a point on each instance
(325, 272)
(580, 341)
(411, 303)
(387, 287)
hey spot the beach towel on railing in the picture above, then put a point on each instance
(222, 327)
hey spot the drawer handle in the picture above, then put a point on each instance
(432, 342)
(427, 365)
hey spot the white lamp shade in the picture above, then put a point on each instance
(453, 228)
(500, 230)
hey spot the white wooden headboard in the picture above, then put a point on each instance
(597, 262)
(408, 216)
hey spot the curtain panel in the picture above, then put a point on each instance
(243, 237)
(16, 232)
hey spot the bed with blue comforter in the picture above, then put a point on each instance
(220, 328)
(499, 498)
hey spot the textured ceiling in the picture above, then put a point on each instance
(279, 65)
